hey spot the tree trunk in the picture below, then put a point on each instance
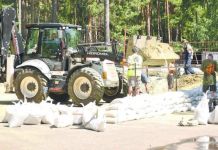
(90, 29)
(23, 17)
(158, 19)
(148, 21)
(107, 21)
(177, 34)
(168, 20)
(54, 11)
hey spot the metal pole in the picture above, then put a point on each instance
(107, 21)
(19, 15)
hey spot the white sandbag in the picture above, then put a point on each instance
(140, 116)
(51, 113)
(50, 117)
(89, 112)
(131, 117)
(123, 100)
(98, 123)
(77, 119)
(63, 109)
(9, 111)
(63, 120)
(112, 113)
(111, 120)
(213, 117)
(197, 70)
(35, 114)
(116, 106)
(17, 118)
(137, 104)
(119, 114)
(77, 111)
(216, 115)
(8, 114)
(202, 111)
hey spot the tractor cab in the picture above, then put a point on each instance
(50, 42)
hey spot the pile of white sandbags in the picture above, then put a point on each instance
(146, 106)
(60, 116)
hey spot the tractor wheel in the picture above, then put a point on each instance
(59, 97)
(85, 85)
(125, 87)
(111, 93)
(30, 84)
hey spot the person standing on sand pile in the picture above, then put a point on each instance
(134, 72)
(188, 56)
(209, 67)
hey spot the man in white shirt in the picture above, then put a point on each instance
(134, 72)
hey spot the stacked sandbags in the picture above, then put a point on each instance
(115, 113)
(146, 106)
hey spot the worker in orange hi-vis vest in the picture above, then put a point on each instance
(209, 67)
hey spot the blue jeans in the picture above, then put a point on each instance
(188, 67)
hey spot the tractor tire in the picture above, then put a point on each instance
(59, 97)
(111, 93)
(85, 85)
(30, 84)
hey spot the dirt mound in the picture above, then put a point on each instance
(154, 52)
(189, 81)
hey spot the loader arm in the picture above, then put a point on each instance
(10, 40)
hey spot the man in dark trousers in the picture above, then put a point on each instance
(188, 56)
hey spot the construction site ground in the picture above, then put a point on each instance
(142, 134)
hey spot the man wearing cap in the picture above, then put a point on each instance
(188, 56)
(209, 67)
(134, 72)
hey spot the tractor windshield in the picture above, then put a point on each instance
(32, 41)
(73, 37)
